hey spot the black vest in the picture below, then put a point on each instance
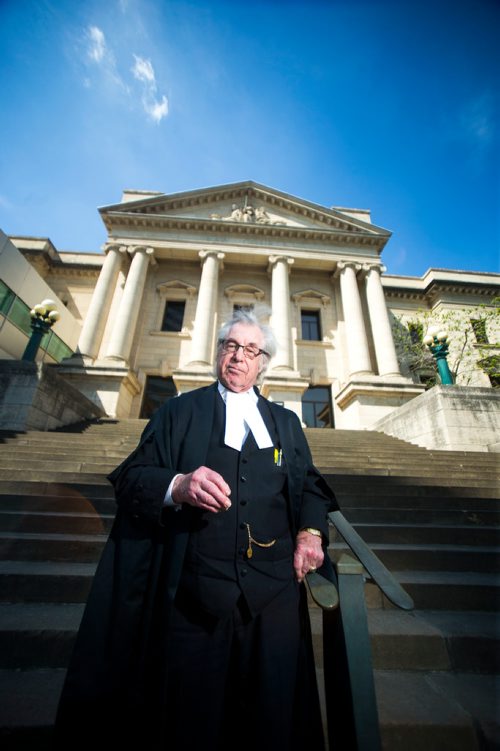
(224, 559)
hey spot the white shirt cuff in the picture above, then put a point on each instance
(168, 501)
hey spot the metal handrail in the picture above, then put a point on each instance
(374, 566)
(351, 706)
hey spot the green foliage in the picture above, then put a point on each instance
(474, 335)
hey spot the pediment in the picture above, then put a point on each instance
(311, 295)
(242, 206)
(244, 293)
(175, 289)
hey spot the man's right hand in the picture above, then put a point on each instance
(203, 489)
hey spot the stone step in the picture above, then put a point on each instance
(368, 448)
(16, 546)
(38, 635)
(427, 640)
(87, 549)
(407, 557)
(376, 485)
(443, 590)
(59, 466)
(42, 635)
(432, 711)
(438, 711)
(404, 532)
(403, 467)
(49, 441)
(472, 512)
(47, 475)
(13, 454)
(49, 504)
(74, 459)
(87, 546)
(430, 497)
(88, 490)
(96, 477)
(42, 581)
(55, 523)
(468, 517)
(426, 476)
(94, 452)
(437, 534)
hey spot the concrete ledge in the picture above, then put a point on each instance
(456, 418)
(34, 397)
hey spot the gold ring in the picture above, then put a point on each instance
(312, 570)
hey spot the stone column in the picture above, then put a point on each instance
(280, 267)
(355, 332)
(201, 348)
(385, 351)
(130, 304)
(97, 315)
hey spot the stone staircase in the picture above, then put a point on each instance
(432, 518)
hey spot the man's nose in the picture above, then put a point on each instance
(238, 355)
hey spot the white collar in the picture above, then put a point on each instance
(223, 391)
(243, 416)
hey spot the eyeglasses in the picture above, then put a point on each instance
(230, 347)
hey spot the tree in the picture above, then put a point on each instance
(474, 334)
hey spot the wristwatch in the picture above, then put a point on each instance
(312, 531)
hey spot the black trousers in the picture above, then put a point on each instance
(241, 675)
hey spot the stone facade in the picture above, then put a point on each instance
(203, 252)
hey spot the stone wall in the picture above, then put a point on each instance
(34, 397)
(448, 417)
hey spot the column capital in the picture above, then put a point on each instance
(343, 265)
(146, 250)
(273, 260)
(204, 255)
(379, 267)
(207, 253)
(114, 246)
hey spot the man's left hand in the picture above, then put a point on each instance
(308, 554)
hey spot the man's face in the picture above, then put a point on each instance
(235, 371)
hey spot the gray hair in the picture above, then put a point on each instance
(249, 317)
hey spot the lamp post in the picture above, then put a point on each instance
(43, 317)
(437, 341)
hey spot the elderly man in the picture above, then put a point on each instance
(196, 632)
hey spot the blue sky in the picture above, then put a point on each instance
(388, 105)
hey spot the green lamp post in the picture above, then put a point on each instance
(43, 317)
(437, 341)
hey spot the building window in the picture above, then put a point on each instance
(416, 331)
(479, 328)
(311, 325)
(157, 391)
(491, 367)
(248, 307)
(7, 297)
(317, 407)
(174, 315)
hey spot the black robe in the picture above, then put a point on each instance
(115, 684)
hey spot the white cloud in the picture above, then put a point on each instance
(476, 119)
(100, 55)
(5, 203)
(143, 71)
(97, 47)
(157, 110)
(477, 127)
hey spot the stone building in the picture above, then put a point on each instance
(145, 312)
